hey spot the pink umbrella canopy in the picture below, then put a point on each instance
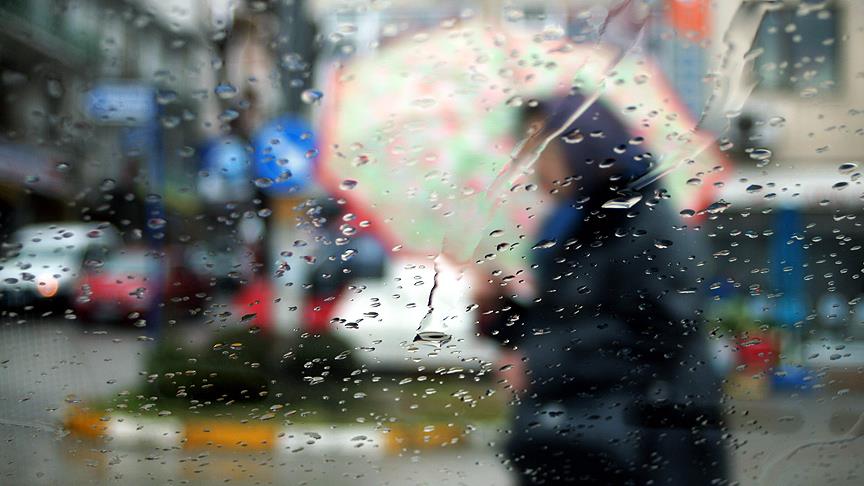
(420, 136)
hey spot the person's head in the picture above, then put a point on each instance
(594, 155)
(551, 168)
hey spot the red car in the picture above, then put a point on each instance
(121, 286)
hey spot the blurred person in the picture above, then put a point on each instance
(608, 361)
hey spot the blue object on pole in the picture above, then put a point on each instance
(126, 104)
(285, 152)
(225, 162)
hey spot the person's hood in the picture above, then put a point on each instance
(600, 149)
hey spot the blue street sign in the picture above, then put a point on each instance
(284, 154)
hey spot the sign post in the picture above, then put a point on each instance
(285, 152)
(134, 106)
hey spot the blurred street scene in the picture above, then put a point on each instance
(392, 242)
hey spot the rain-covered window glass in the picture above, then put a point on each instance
(351, 242)
(799, 47)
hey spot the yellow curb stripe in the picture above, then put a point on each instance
(86, 423)
(226, 435)
(402, 437)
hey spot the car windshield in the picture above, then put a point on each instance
(133, 263)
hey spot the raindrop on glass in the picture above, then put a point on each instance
(760, 154)
(311, 96)
(625, 201)
(847, 167)
(574, 137)
(225, 91)
(662, 243)
(433, 337)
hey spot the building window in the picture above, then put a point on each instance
(799, 48)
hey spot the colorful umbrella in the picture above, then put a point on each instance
(418, 136)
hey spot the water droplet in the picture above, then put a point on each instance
(515, 101)
(437, 338)
(361, 159)
(752, 188)
(348, 184)
(542, 245)
(573, 137)
(424, 103)
(107, 185)
(662, 243)
(263, 182)
(776, 121)
(809, 92)
(625, 201)
(310, 96)
(228, 115)
(840, 186)
(687, 213)
(171, 121)
(847, 167)
(156, 223)
(760, 154)
(717, 207)
(225, 91)
(166, 96)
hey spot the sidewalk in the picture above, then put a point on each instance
(801, 440)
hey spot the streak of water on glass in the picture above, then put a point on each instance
(733, 86)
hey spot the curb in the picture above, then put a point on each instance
(126, 430)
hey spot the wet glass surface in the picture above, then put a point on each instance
(365, 242)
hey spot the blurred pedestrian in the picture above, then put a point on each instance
(607, 359)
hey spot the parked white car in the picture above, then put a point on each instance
(43, 262)
(380, 318)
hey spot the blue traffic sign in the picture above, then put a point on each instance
(284, 153)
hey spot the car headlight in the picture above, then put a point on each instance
(47, 286)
